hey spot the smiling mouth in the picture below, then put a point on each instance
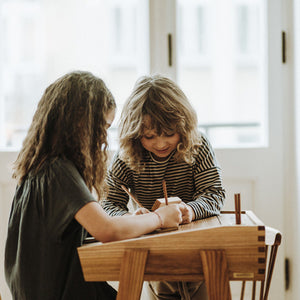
(162, 151)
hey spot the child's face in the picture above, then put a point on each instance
(110, 116)
(161, 146)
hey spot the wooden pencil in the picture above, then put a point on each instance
(165, 191)
(235, 209)
(130, 195)
(237, 202)
(239, 209)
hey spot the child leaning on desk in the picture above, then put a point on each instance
(63, 159)
(159, 141)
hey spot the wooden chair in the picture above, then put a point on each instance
(273, 241)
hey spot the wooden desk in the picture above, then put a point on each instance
(214, 249)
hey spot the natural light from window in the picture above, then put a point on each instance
(220, 64)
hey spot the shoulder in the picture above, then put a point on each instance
(64, 167)
(66, 181)
(117, 160)
(203, 146)
(204, 142)
(118, 164)
(59, 171)
(205, 152)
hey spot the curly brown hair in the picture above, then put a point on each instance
(70, 123)
(169, 110)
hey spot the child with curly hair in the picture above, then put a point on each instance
(159, 141)
(62, 161)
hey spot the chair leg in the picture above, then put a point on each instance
(253, 290)
(273, 254)
(262, 286)
(243, 290)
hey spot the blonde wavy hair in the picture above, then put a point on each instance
(70, 123)
(169, 110)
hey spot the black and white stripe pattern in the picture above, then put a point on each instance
(199, 185)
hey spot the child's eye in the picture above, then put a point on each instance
(148, 137)
(170, 134)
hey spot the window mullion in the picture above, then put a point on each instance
(162, 24)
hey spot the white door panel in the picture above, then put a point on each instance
(243, 186)
(260, 176)
(259, 180)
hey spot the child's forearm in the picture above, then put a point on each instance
(130, 226)
(208, 204)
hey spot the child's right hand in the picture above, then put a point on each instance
(171, 215)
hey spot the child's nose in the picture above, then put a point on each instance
(161, 142)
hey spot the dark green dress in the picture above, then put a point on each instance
(41, 260)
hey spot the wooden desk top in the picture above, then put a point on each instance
(175, 256)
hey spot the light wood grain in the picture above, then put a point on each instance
(132, 270)
(176, 255)
(216, 273)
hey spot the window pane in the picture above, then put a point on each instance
(42, 40)
(221, 67)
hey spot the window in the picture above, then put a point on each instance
(42, 40)
(220, 58)
(221, 68)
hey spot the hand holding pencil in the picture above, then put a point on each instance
(188, 214)
(170, 216)
(141, 210)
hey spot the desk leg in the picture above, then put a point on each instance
(132, 274)
(216, 274)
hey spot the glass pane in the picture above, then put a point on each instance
(222, 67)
(42, 40)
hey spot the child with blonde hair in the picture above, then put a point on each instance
(159, 141)
(62, 161)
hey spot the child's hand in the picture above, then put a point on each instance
(141, 211)
(188, 214)
(171, 215)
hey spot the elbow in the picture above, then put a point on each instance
(109, 233)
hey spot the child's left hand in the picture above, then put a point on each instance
(188, 214)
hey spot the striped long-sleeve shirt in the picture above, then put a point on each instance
(198, 184)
